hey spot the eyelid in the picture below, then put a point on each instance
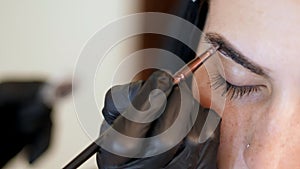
(235, 73)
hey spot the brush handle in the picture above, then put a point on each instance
(193, 65)
(83, 156)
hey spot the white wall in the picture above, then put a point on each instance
(44, 38)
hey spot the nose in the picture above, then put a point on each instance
(275, 142)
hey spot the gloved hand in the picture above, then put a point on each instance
(197, 149)
(25, 121)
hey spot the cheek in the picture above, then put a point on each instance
(237, 129)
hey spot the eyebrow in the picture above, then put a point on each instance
(230, 51)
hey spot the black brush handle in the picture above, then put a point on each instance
(83, 156)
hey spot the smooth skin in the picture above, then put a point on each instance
(259, 129)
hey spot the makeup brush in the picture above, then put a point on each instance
(193, 65)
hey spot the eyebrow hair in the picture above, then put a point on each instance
(229, 51)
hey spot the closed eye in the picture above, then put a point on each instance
(233, 91)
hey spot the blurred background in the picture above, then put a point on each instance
(42, 40)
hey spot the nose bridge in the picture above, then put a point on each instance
(273, 130)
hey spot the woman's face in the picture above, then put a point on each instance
(257, 74)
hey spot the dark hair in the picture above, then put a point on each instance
(196, 13)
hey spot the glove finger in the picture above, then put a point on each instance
(157, 161)
(167, 136)
(200, 156)
(209, 151)
(201, 143)
(123, 145)
(177, 120)
(205, 135)
(147, 106)
(123, 95)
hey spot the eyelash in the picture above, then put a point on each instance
(234, 91)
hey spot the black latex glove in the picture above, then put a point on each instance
(35, 124)
(187, 153)
(25, 121)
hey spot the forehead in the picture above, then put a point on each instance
(266, 31)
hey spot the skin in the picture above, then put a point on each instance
(267, 32)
